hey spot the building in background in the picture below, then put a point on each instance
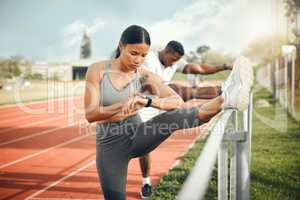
(63, 71)
(75, 70)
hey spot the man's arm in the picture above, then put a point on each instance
(204, 68)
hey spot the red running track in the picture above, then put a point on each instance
(51, 155)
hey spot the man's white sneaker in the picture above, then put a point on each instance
(237, 87)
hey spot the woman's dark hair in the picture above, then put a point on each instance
(175, 47)
(134, 34)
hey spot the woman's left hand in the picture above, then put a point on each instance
(135, 102)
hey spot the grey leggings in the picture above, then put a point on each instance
(118, 142)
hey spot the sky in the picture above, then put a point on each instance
(51, 30)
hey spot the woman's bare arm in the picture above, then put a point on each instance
(93, 110)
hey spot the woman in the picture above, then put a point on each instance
(112, 99)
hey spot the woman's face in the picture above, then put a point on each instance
(133, 55)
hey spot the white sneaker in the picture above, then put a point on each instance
(236, 88)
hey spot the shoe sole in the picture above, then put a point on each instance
(245, 71)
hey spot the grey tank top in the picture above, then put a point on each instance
(110, 94)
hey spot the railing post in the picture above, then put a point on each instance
(277, 91)
(273, 79)
(223, 171)
(233, 159)
(243, 157)
(286, 65)
(250, 118)
(293, 85)
(240, 161)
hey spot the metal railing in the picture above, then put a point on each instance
(282, 78)
(232, 149)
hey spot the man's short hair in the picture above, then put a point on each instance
(175, 47)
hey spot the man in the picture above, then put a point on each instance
(166, 63)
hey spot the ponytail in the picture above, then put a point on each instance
(117, 52)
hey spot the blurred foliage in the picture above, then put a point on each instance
(204, 54)
(11, 67)
(54, 77)
(266, 48)
(34, 76)
(215, 57)
(291, 8)
(202, 49)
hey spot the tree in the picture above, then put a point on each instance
(291, 8)
(196, 56)
(202, 49)
(204, 54)
(85, 48)
(11, 67)
(266, 48)
(216, 57)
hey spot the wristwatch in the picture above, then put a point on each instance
(149, 102)
(225, 67)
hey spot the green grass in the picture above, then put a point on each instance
(275, 171)
(275, 167)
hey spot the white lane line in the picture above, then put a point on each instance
(33, 123)
(31, 197)
(10, 114)
(3, 107)
(35, 135)
(28, 116)
(43, 151)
